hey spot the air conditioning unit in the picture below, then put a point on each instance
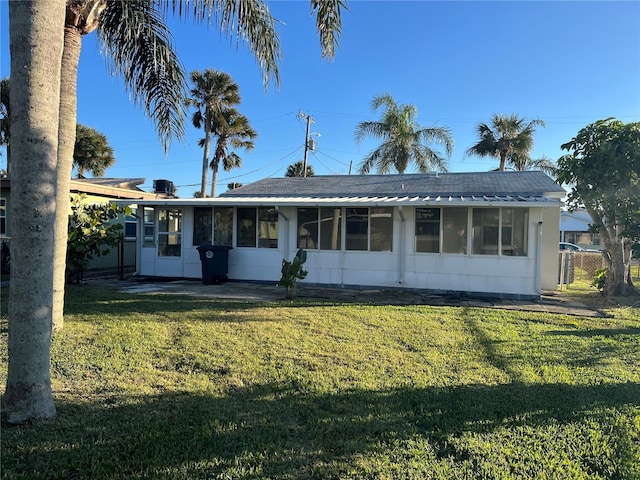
(163, 187)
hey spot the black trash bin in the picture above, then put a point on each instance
(215, 263)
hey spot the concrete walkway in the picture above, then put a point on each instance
(552, 302)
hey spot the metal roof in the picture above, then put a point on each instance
(523, 189)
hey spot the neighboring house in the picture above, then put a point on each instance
(96, 190)
(574, 228)
(480, 233)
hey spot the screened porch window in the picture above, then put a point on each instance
(223, 226)
(257, 227)
(169, 233)
(357, 228)
(202, 225)
(148, 226)
(320, 228)
(427, 230)
(381, 229)
(246, 228)
(454, 230)
(502, 231)
(267, 227)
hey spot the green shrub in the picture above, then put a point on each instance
(600, 279)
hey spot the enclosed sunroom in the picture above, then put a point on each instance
(479, 233)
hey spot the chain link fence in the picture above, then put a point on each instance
(584, 265)
(578, 266)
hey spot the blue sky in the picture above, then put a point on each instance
(567, 63)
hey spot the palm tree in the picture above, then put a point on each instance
(403, 139)
(297, 170)
(91, 152)
(509, 138)
(232, 129)
(36, 48)
(137, 45)
(213, 91)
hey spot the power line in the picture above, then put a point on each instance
(332, 158)
(261, 168)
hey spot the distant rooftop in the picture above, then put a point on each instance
(128, 183)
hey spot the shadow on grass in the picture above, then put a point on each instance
(87, 300)
(94, 300)
(598, 332)
(283, 431)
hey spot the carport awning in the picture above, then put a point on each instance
(365, 201)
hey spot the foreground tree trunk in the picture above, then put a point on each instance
(66, 141)
(36, 42)
(82, 17)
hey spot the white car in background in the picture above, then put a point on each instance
(564, 246)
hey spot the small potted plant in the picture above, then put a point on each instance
(292, 271)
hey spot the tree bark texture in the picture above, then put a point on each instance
(36, 43)
(616, 255)
(66, 142)
(214, 178)
(205, 157)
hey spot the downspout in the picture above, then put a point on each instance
(401, 249)
(538, 278)
(286, 231)
(139, 238)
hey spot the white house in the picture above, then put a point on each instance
(481, 233)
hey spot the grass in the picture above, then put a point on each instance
(175, 387)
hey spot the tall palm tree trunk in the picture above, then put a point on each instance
(215, 165)
(66, 141)
(214, 180)
(36, 43)
(503, 161)
(205, 159)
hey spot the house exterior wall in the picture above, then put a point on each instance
(550, 218)
(403, 267)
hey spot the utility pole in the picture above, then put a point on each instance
(309, 120)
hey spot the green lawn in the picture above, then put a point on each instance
(174, 387)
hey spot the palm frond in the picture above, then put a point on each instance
(385, 100)
(242, 21)
(437, 135)
(373, 129)
(231, 161)
(329, 24)
(137, 45)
